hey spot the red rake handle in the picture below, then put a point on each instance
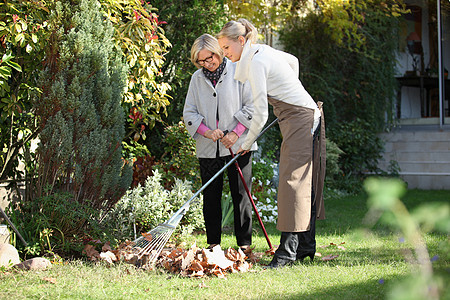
(251, 199)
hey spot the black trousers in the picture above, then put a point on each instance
(212, 195)
(297, 245)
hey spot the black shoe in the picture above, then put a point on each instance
(278, 263)
(302, 256)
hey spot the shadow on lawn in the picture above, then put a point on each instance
(371, 289)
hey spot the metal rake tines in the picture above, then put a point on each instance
(152, 242)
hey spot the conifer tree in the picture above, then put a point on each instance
(80, 110)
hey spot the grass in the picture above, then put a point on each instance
(372, 263)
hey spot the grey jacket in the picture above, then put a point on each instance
(230, 100)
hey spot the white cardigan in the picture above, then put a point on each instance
(271, 73)
(232, 101)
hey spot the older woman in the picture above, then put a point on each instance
(216, 103)
(273, 77)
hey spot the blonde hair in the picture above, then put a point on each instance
(242, 27)
(208, 42)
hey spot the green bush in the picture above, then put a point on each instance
(52, 223)
(151, 204)
(177, 161)
(80, 110)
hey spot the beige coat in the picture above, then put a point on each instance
(296, 167)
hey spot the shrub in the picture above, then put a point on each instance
(177, 161)
(148, 205)
(51, 223)
(80, 173)
(80, 110)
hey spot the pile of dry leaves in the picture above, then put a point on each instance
(193, 262)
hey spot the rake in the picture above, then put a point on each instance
(251, 200)
(152, 242)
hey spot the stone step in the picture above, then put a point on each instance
(421, 167)
(417, 136)
(423, 157)
(427, 182)
(401, 146)
(436, 156)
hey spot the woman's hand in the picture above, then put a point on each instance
(214, 135)
(229, 139)
(242, 150)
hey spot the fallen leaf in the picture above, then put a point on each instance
(50, 279)
(216, 256)
(196, 266)
(90, 252)
(108, 257)
(187, 259)
(271, 251)
(106, 247)
(147, 236)
(330, 257)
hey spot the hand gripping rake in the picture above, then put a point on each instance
(152, 242)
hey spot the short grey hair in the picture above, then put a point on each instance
(208, 42)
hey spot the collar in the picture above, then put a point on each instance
(243, 65)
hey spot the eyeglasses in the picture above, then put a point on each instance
(209, 59)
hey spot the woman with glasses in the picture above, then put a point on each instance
(216, 104)
(273, 77)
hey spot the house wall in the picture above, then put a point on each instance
(410, 96)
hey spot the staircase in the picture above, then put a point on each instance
(422, 154)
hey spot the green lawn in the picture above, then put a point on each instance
(372, 262)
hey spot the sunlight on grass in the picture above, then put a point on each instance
(370, 264)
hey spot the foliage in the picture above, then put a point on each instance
(266, 15)
(140, 37)
(177, 161)
(142, 169)
(384, 199)
(23, 36)
(352, 73)
(345, 19)
(333, 170)
(148, 205)
(188, 20)
(79, 112)
(179, 158)
(50, 223)
(361, 148)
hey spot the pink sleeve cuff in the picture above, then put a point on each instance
(239, 130)
(202, 129)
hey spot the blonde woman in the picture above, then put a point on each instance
(273, 77)
(216, 103)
